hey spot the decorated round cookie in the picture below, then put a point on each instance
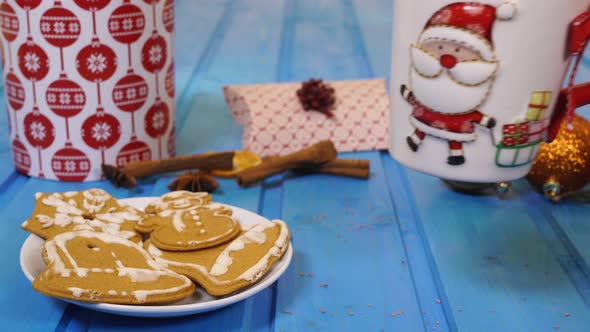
(226, 268)
(99, 267)
(185, 224)
(92, 209)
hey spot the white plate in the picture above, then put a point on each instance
(32, 264)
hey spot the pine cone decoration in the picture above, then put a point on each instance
(315, 95)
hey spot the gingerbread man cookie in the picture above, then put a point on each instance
(178, 200)
(99, 267)
(92, 209)
(228, 267)
(185, 224)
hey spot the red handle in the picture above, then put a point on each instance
(579, 33)
(573, 96)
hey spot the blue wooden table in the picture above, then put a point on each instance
(399, 252)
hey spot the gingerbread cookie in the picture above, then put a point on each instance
(92, 209)
(191, 227)
(178, 200)
(228, 267)
(98, 267)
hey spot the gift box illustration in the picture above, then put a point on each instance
(275, 122)
(521, 140)
(77, 72)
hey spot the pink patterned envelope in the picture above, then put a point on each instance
(276, 124)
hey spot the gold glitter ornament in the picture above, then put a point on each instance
(563, 166)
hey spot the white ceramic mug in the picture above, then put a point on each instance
(88, 82)
(474, 84)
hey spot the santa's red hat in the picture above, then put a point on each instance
(469, 24)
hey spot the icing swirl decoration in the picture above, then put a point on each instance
(217, 268)
(93, 210)
(99, 267)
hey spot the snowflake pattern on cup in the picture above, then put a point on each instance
(76, 73)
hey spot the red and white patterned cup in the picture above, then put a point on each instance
(87, 82)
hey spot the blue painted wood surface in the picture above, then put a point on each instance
(400, 243)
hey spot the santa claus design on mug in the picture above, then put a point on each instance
(453, 70)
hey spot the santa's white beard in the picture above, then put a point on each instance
(460, 89)
(442, 94)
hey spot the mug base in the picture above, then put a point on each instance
(478, 188)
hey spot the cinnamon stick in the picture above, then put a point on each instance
(358, 168)
(207, 161)
(319, 153)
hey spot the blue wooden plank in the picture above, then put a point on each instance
(196, 21)
(202, 114)
(346, 220)
(374, 17)
(345, 236)
(563, 244)
(324, 44)
(424, 275)
(570, 221)
(22, 307)
(496, 269)
(246, 55)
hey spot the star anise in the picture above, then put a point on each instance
(195, 182)
(315, 95)
(117, 177)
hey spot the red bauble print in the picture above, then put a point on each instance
(168, 15)
(151, 2)
(92, 5)
(21, 157)
(172, 142)
(169, 83)
(134, 151)
(130, 92)
(9, 22)
(96, 62)
(157, 119)
(15, 93)
(154, 53)
(39, 130)
(70, 164)
(127, 23)
(28, 4)
(65, 97)
(60, 27)
(32, 61)
(101, 130)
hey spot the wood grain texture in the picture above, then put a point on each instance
(400, 241)
(495, 266)
(348, 239)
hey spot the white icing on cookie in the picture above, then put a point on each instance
(178, 214)
(180, 200)
(254, 234)
(67, 213)
(61, 206)
(136, 275)
(76, 292)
